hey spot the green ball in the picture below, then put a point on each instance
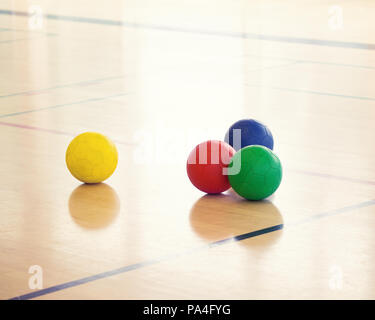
(258, 176)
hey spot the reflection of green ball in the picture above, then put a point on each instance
(259, 175)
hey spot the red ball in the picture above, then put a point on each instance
(205, 166)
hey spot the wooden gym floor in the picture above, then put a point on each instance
(158, 77)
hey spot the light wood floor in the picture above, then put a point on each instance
(159, 77)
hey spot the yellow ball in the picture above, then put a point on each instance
(91, 157)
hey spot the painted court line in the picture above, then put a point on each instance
(304, 172)
(249, 85)
(241, 237)
(311, 92)
(330, 176)
(69, 85)
(63, 105)
(336, 212)
(64, 133)
(24, 126)
(243, 35)
(302, 61)
(99, 80)
(136, 266)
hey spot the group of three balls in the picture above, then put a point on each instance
(245, 162)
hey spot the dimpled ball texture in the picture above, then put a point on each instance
(91, 157)
(252, 132)
(259, 174)
(206, 166)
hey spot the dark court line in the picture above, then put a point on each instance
(330, 176)
(136, 266)
(99, 80)
(27, 127)
(211, 245)
(243, 35)
(81, 281)
(249, 85)
(62, 105)
(69, 85)
(63, 133)
(241, 237)
(304, 172)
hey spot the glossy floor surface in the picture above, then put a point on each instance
(159, 77)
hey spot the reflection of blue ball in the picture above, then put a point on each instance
(252, 132)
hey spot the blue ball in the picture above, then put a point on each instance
(252, 133)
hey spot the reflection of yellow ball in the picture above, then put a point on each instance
(91, 157)
(94, 206)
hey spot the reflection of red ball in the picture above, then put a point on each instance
(206, 163)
